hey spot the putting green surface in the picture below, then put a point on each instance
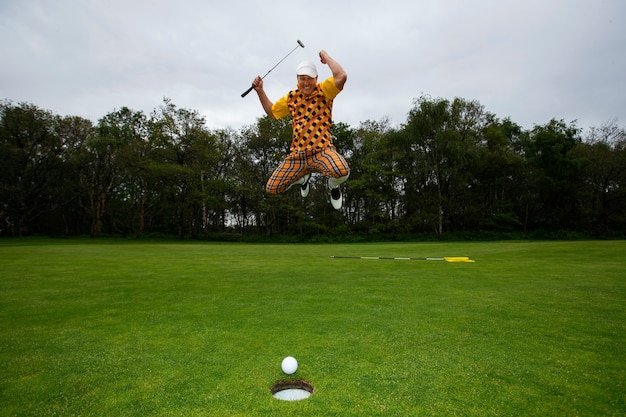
(132, 328)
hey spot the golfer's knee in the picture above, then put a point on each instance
(336, 181)
(270, 189)
(343, 178)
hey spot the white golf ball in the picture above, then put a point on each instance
(289, 365)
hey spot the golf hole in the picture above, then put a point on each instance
(295, 390)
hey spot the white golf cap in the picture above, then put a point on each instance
(307, 68)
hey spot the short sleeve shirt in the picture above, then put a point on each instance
(311, 116)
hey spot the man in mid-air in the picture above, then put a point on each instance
(311, 149)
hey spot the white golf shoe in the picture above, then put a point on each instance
(336, 198)
(305, 187)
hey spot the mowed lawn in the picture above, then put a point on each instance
(136, 328)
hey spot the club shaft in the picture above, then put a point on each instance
(278, 63)
(300, 45)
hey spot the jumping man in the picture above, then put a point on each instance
(312, 149)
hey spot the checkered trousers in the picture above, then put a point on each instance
(326, 161)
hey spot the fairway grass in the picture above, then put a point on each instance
(136, 328)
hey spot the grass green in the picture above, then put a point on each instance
(135, 328)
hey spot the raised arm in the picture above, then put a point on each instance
(265, 101)
(339, 74)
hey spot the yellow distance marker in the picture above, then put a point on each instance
(458, 259)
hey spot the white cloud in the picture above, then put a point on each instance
(529, 60)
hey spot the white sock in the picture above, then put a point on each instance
(301, 180)
(336, 182)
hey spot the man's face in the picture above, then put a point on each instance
(306, 84)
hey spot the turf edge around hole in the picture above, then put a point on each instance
(292, 390)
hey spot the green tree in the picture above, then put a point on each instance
(602, 193)
(554, 174)
(438, 157)
(120, 187)
(420, 162)
(32, 167)
(186, 160)
(70, 218)
(371, 191)
(501, 177)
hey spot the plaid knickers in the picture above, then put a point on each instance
(326, 161)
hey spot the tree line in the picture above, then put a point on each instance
(452, 167)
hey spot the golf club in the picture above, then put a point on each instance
(300, 45)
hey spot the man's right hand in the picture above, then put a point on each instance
(257, 83)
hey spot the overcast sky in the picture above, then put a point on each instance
(529, 60)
